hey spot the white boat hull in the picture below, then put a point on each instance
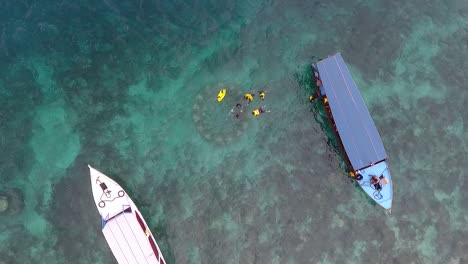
(124, 228)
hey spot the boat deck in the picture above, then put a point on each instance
(128, 240)
(383, 197)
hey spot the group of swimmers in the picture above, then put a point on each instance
(249, 97)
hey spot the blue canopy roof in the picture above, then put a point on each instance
(355, 126)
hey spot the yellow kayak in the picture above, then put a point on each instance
(221, 94)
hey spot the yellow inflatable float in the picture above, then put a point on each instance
(221, 94)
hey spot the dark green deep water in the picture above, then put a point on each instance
(129, 87)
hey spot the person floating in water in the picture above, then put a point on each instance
(259, 111)
(249, 97)
(240, 109)
(376, 182)
(261, 94)
(312, 97)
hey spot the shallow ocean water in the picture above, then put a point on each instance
(130, 86)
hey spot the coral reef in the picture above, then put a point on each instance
(11, 202)
(215, 121)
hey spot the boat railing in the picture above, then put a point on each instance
(370, 165)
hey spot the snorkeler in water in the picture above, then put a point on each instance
(240, 109)
(258, 111)
(249, 97)
(261, 94)
(313, 96)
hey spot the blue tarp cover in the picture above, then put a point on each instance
(355, 126)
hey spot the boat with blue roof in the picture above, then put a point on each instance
(354, 128)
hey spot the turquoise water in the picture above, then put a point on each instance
(130, 86)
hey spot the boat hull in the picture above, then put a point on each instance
(123, 226)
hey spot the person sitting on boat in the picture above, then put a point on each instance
(358, 175)
(260, 110)
(261, 94)
(249, 97)
(376, 182)
(319, 83)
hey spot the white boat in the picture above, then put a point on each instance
(124, 228)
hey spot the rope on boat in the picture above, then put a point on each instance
(378, 195)
(120, 194)
(386, 168)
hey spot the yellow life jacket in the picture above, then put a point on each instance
(248, 96)
(262, 95)
(256, 112)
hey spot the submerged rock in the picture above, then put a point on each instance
(11, 201)
(3, 204)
